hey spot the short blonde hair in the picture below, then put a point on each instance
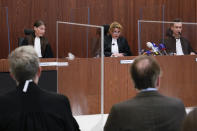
(115, 25)
(23, 63)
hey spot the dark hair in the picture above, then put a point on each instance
(106, 30)
(177, 20)
(169, 32)
(144, 73)
(189, 123)
(38, 23)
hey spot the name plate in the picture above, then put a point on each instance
(126, 61)
(53, 63)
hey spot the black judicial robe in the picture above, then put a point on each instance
(46, 50)
(35, 110)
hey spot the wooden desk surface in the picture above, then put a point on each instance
(81, 82)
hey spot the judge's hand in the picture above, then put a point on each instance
(117, 55)
(192, 53)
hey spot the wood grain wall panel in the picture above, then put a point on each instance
(195, 44)
(137, 15)
(99, 15)
(172, 9)
(129, 29)
(4, 50)
(188, 10)
(188, 14)
(23, 13)
(179, 76)
(151, 10)
(73, 36)
(81, 83)
(117, 90)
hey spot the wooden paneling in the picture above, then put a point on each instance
(188, 10)
(172, 9)
(115, 77)
(179, 72)
(4, 50)
(188, 14)
(80, 81)
(22, 14)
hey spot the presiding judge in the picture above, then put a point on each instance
(114, 44)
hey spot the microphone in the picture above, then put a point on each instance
(163, 48)
(179, 34)
(154, 47)
(146, 52)
(113, 44)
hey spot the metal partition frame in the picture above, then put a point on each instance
(5, 32)
(102, 53)
(188, 30)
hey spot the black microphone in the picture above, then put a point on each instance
(179, 34)
(113, 44)
(163, 48)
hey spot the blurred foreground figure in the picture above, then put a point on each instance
(189, 123)
(28, 107)
(148, 110)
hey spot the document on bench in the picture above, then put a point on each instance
(126, 61)
(53, 63)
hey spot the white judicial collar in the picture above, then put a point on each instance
(179, 50)
(149, 89)
(37, 46)
(114, 46)
(26, 85)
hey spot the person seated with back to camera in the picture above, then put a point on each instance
(29, 107)
(38, 41)
(148, 110)
(189, 123)
(174, 42)
(114, 44)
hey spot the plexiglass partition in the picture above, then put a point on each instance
(80, 41)
(160, 35)
(82, 80)
(4, 31)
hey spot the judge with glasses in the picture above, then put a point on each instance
(114, 44)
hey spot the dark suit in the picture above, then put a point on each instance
(35, 110)
(170, 44)
(148, 111)
(122, 46)
(46, 50)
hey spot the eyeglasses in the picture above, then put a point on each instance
(116, 32)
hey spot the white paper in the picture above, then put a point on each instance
(126, 61)
(53, 63)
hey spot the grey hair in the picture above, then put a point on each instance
(23, 63)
